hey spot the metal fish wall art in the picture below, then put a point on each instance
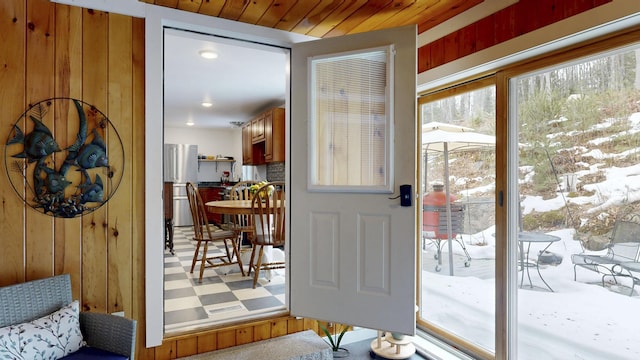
(64, 180)
(37, 144)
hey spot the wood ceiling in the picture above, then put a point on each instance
(327, 18)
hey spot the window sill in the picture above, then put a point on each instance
(426, 346)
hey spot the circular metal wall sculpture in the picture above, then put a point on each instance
(64, 158)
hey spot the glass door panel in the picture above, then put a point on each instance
(578, 174)
(457, 262)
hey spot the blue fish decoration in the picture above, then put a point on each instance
(81, 137)
(89, 156)
(82, 129)
(92, 192)
(93, 154)
(53, 180)
(38, 144)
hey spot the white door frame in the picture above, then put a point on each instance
(157, 18)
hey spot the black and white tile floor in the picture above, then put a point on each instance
(223, 296)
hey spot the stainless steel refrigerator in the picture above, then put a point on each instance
(180, 167)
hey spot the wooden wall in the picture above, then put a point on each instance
(51, 50)
(515, 20)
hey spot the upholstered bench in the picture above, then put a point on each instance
(38, 319)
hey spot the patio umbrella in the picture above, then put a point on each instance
(448, 138)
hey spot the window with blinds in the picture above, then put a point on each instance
(351, 125)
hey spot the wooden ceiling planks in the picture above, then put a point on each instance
(317, 16)
(328, 18)
(254, 11)
(336, 17)
(189, 5)
(444, 11)
(211, 8)
(368, 10)
(298, 13)
(275, 13)
(232, 9)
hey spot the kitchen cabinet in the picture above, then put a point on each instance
(274, 135)
(247, 144)
(252, 154)
(258, 129)
(269, 145)
(212, 194)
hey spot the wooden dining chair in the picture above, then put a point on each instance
(241, 223)
(205, 234)
(268, 210)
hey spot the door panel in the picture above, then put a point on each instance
(353, 253)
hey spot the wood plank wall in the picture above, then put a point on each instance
(52, 50)
(506, 24)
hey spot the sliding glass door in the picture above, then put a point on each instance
(457, 262)
(528, 180)
(578, 171)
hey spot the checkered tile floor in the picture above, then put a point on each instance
(223, 296)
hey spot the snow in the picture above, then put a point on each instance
(576, 321)
(579, 319)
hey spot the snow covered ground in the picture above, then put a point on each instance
(576, 321)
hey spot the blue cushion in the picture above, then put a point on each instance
(88, 353)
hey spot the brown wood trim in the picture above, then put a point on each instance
(515, 20)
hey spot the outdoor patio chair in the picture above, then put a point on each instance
(621, 259)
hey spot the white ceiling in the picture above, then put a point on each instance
(243, 81)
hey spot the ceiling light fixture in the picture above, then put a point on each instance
(189, 123)
(207, 104)
(208, 54)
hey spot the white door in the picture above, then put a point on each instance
(352, 246)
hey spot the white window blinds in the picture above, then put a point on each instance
(351, 125)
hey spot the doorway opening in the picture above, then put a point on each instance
(206, 103)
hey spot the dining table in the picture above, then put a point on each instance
(229, 207)
(237, 207)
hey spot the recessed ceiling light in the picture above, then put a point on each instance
(208, 54)
(189, 123)
(207, 104)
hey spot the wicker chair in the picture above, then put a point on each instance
(34, 299)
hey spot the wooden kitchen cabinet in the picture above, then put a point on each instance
(271, 147)
(247, 144)
(274, 135)
(258, 129)
(212, 194)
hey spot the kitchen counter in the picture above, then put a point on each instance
(213, 191)
(208, 184)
